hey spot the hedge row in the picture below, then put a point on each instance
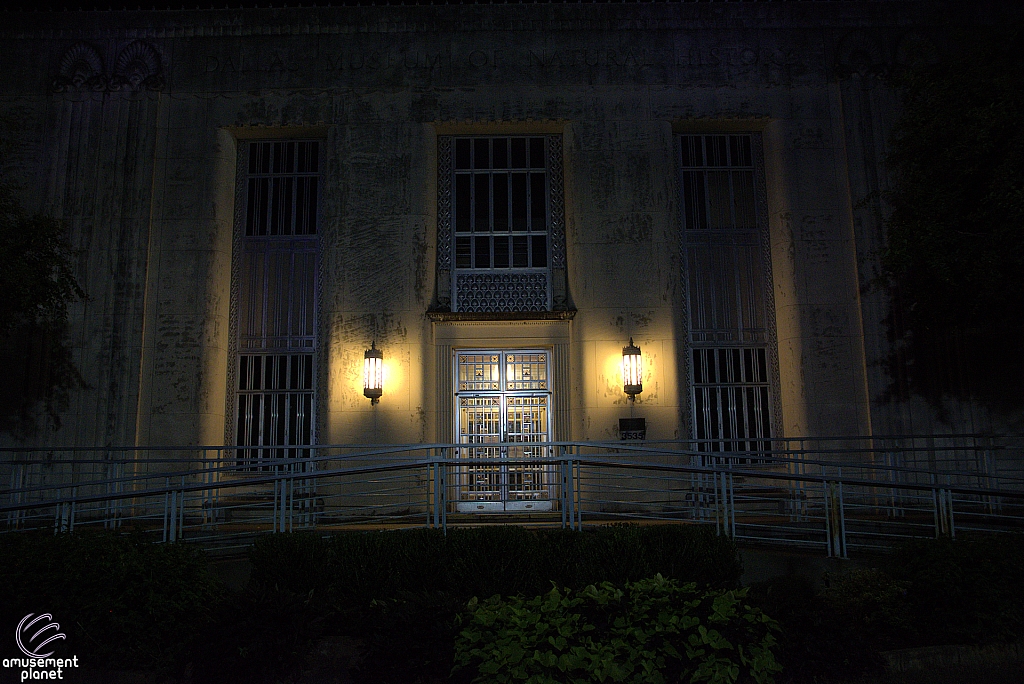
(123, 602)
(490, 560)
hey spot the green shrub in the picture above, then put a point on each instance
(833, 633)
(258, 637)
(124, 602)
(407, 586)
(423, 625)
(651, 631)
(963, 591)
(871, 605)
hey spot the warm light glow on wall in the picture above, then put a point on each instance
(632, 370)
(373, 373)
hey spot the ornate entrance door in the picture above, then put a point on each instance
(503, 400)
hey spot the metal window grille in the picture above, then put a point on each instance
(731, 399)
(276, 306)
(728, 284)
(501, 223)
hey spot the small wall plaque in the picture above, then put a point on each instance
(633, 428)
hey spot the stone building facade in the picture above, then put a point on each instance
(499, 198)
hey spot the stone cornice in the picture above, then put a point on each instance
(163, 24)
(499, 316)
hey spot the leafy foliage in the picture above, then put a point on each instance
(37, 280)
(927, 593)
(38, 284)
(408, 586)
(955, 245)
(870, 602)
(651, 631)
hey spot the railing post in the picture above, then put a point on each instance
(291, 496)
(893, 462)
(991, 479)
(442, 488)
(725, 509)
(209, 514)
(112, 508)
(181, 511)
(437, 504)
(703, 479)
(430, 479)
(835, 520)
(62, 519)
(571, 517)
(563, 489)
(282, 502)
(575, 476)
(943, 500)
(309, 490)
(167, 509)
(16, 497)
(173, 532)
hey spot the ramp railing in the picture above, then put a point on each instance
(847, 494)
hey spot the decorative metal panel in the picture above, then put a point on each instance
(502, 291)
(444, 203)
(772, 343)
(479, 372)
(277, 292)
(480, 424)
(275, 406)
(557, 201)
(526, 371)
(503, 415)
(526, 423)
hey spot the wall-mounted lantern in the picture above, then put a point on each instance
(632, 370)
(373, 373)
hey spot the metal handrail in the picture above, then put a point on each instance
(808, 502)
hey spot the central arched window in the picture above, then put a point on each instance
(500, 226)
(501, 203)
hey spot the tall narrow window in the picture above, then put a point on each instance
(276, 305)
(729, 298)
(500, 223)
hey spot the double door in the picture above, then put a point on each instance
(503, 419)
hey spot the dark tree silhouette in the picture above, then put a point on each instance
(955, 234)
(36, 285)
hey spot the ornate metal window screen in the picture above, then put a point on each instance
(730, 308)
(501, 234)
(275, 300)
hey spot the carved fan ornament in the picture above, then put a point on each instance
(137, 67)
(80, 67)
(859, 53)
